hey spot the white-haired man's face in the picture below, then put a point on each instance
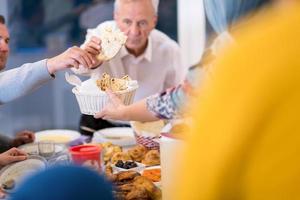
(136, 19)
(4, 48)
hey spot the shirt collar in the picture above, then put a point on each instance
(123, 52)
(147, 54)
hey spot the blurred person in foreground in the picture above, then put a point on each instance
(67, 183)
(172, 103)
(20, 81)
(148, 56)
(245, 142)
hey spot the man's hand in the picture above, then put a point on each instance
(23, 137)
(114, 109)
(93, 47)
(73, 57)
(12, 155)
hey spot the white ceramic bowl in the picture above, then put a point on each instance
(121, 136)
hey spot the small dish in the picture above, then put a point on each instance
(59, 136)
(140, 167)
(121, 136)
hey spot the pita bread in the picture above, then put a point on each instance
(126, 77)
(104, 82)
(114, 84)
(118, 84)
(112, 39)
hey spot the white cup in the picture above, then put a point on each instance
(170, 148)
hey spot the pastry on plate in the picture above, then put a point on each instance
(137, 153)
(152, 157)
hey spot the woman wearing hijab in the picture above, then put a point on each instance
(245, 141)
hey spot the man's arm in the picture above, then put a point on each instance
(17, 82)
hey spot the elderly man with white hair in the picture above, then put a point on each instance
(148, 56)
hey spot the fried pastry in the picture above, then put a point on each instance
(109, 150)
(119, 156)
(124, 177)
(108, 170)
(131, 185)
(137, 153)
(152, 157)
(143, 182)
(137, 193)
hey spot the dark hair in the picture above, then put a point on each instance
(2, 19)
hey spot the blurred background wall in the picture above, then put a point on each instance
(41, 28)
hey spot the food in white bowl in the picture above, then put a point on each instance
(127, 165)
(91, 95)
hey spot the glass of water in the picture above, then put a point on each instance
(46, 148)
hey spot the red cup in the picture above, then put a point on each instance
(87, 155)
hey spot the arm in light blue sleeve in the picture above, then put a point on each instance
(20, 81)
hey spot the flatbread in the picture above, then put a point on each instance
(104, 82)
(112, 39)
(114, 84)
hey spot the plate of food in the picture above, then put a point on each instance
(121, 136)
(33, 149)
(131, 185)
(13, 174)
(62, 136)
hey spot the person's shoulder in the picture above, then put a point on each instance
(160, 39)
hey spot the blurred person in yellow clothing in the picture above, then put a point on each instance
(245, 142)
